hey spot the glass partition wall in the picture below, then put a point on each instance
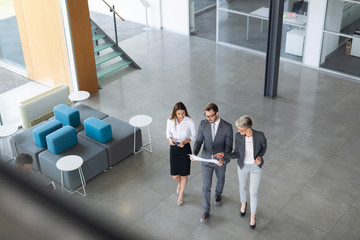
(205, 19)
(204, 5)
(244, 23)
(341, 39)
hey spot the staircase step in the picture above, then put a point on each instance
(112, 68)
(97, 36)
(107, 57)
(102, 46)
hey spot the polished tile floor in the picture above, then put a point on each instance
(310, 184)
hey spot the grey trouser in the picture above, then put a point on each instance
(255, 176)
(207, 173)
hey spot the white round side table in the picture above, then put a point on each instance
(71, 163)
(6, 131)
(141, 121)
(77, 96)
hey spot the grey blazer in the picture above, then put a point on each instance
(223, 141)
(260, 145)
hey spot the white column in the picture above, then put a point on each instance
(175, 16)
(314, 32)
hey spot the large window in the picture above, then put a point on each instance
(341, 42)
(244, 23)
(10, 44)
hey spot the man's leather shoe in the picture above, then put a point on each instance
(217, 201)
(243, 213)
(204, 217)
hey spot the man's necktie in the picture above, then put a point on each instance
(213, 131)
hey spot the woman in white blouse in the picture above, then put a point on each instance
(180, 130)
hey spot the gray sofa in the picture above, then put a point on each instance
(24, 143)
(93, 155)
(122, 144)
(97, 156)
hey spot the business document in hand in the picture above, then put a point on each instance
(196, 158)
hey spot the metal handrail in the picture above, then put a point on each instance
(112, 9)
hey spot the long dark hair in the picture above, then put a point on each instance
(178, 106)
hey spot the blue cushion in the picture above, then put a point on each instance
(62, 139)
(98, 129)
(42, 131)
(67, 115)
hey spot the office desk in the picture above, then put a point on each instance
(355, 47)
(263, 13)
(295, 41)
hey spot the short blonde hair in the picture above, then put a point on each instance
(244, 121)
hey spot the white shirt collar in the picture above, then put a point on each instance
(217, 122)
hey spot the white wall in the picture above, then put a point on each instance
(172, 15)
(131, 10)
(314, 32)
(176, 16)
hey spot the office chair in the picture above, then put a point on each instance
(300, 7)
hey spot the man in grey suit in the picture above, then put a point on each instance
(216, 135)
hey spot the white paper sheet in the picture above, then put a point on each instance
(196, 158)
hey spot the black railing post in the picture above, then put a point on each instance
(116, 37)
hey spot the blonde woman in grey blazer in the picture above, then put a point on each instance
(250, 147)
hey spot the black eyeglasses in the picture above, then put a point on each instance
(209, 116)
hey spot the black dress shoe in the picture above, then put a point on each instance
(243, 213)
(252, 226)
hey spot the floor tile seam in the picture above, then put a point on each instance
(158, 192)
(328, 196)
(275, 156)
(159, 201)
(142, 171)
(143, 95)
(337, 104)
(114, 187)
(296, 105)
(329, 234)
(118, 186)
(271, 219)
(192, 230)
(307, 224)
(341, 147)
(225, 229)
(143, 215)
(288, 143)
(347, 168)
(139, 218)
(340, 218)
(293, 197)
(134, 224)
(136, 174)
(278, 121)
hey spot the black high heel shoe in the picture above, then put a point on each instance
(252, 226)
(243, 213)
